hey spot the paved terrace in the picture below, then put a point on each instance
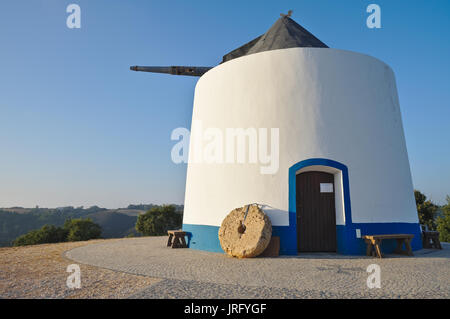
(187, 273)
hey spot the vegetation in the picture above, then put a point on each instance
(47, 234)
(158, 220)
(147, 207)
(115, 223)
(426, 209)
(433, 216)
(443, 222)
(15, 222)
(141, 206)
(81, 229)
(73, 230)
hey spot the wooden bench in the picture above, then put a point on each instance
(176, 239)
(430, 239)
(374, 244)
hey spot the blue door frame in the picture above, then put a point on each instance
(347, 242)
(342, 231)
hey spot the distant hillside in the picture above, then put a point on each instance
(115, 223)
(14, 224)
(146, 207)
(130, 212)
(18, 210)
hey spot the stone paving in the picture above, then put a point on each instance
(188, 273)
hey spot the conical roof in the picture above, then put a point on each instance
(284, 33)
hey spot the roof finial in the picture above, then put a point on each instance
(286, 15)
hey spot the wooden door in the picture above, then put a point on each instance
(316, 214)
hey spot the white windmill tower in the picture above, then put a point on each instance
(342, 169)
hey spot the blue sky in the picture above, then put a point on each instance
(78, 128)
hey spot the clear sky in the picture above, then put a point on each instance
(78, 128)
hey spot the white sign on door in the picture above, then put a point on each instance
(326, 187)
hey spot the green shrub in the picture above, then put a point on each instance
(158, 220)
(443, 222)
(426, 209)
(81, 229)
(47, 234)
(73, 230)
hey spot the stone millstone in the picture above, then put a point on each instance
(246, 243)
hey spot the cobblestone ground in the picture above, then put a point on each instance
(187, 273)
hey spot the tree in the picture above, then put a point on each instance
(426, 209)
(47, 234)
(443, 222)
(73, 230)
(81, 229)
(158, 220)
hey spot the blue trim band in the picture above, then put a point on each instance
(204, 237)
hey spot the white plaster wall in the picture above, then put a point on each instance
(327, 103)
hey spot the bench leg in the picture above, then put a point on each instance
(183, 242)
(436, 243)
(179, 242)
(176, 242)
(398, 249)
(369, 248)
(378, 248)
(426, 241)
(169, 242)
(408, 247)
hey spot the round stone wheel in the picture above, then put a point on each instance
(250, 240)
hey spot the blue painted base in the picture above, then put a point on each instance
(356, 246)
(203, 237)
